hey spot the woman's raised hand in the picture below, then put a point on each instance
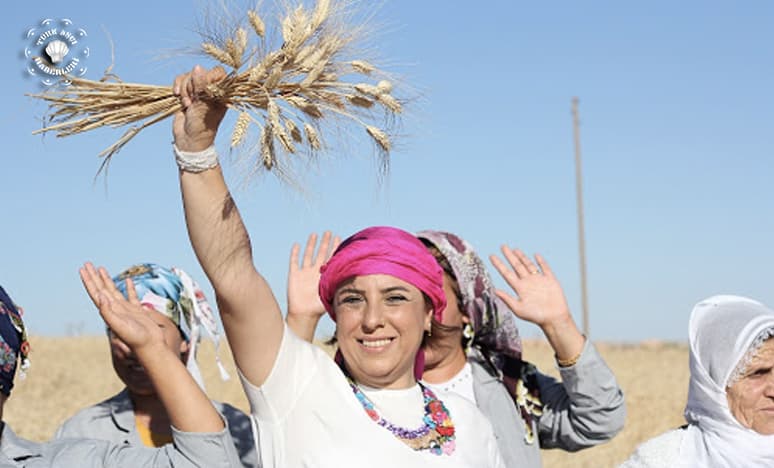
(196, 125)
(539, 297)
(304, 305)
(128, 319)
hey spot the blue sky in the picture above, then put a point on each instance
(677, 114)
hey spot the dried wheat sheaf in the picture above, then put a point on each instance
(290, 93)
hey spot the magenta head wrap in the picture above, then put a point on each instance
(390, 251)
(383, 250)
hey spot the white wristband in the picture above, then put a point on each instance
(197, 161)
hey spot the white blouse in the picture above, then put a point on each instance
(308, 416)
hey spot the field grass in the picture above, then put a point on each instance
(70, 373)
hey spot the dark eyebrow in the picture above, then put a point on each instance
(350, 290)
(354, 290)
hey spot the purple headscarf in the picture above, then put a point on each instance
(494, 327)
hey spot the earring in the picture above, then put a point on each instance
(467, 335)
(467, 332)
(430, 331)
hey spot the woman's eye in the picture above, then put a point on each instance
(350, 299)
(396, 298)
(758, 373)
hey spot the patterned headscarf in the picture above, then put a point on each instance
(495, 334)
(496, 341)
(14, 346)
(387, 251)
(173, 293)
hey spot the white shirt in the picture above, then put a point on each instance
(308, 416)
(461, 384)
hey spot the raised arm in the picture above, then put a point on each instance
(539, 299)
(587, 407)
(304, 306)
(250, 314)
(188, 407)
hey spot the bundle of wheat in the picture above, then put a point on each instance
(288, 93)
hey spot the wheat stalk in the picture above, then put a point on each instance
(307, 82)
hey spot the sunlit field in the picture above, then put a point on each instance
(71, 373)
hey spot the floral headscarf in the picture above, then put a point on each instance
(14, 346)
(495, 333)
(172, 293)
(496, 341)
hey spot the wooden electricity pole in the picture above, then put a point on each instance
(579, 201)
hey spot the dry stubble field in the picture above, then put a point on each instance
(70, 373)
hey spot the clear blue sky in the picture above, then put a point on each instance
(677, 111)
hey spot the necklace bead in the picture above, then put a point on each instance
(437, 433)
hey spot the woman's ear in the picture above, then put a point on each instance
(184, 348)
(429, 319)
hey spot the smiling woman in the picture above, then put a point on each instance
(380, 323)
(382, 287)
(730, 410)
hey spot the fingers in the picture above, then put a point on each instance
(520, 262)
(324, 251)
(328, 245)
(131, 292)
(508, 274)
(334, 246)
(92, 282)
(513, 302)
(311, 242)
(294, 256)
(544, 265)
(108, 286)
(216, 74)
(532, 269)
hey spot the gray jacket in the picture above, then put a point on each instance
(190, 450)
(113, 420)
(584, 409)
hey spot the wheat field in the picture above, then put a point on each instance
(70, 373)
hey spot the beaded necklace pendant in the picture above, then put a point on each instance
(437, 433)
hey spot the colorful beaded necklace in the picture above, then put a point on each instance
(436, 434)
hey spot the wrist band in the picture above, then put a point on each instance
(196, 161)
(569, 362)
(573, 360)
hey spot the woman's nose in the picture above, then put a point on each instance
(373, 317)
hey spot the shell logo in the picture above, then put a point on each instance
(56, 51)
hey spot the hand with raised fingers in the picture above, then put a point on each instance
(129, 320)
(304, 305)
(196, 125)
(539, 299)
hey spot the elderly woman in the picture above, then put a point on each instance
(199, 431)
(730, 409)
(475, 349)
(135, 415)
(381, 286)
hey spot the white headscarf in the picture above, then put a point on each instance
(721, 331)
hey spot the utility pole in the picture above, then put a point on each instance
(579, 201)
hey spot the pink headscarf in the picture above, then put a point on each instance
(382, 250)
